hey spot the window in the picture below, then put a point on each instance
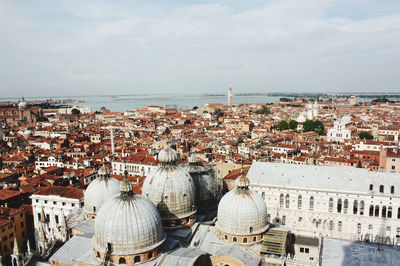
(389, 213)
(54, 203)
(283, 220)
(306, 250)
(384, 212)
(376, 211)
(398, 213)
(281, 200)
(393, 167)
(362, 207)
(392, 190)
(226, 237)
(254, 239)
(340, 226)
(137, 259)
(245, 240)
(150, 255)
(371, 187)
(263, 195)
(301, 250)
(330, 204)
(22, 224)
(287, 201)
(73, 204)
(381, 188)
(330, 225)
(122, 261)
(56, 218)
(371, 210)
(346, 205)
(234, 239)
(299, 202)
(359, 228)
(339, 206)
(251, 229)
(311, 203)
(268, 218)
(355, 207)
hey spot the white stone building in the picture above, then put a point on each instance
(337, 202)
(50, 205)
(340, 130)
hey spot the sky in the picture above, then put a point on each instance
(85, 47)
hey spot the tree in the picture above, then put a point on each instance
(75, 112)
(283, 125)
(365, 135)
(319, 127)
(293, 124)
(308, 125)
(187, 122)
(263, 111)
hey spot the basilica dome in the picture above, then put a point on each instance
(242, 214)
(100, 190)
(171, 188)
(129, 228)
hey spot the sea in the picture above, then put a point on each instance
(121, 103)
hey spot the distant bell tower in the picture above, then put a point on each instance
(230, 96)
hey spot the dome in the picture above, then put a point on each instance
(128, 224)
(100, 190)
(167, 155)
(171, 188)
(242, 212)
(22, 105)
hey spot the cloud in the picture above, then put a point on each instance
(281, 45)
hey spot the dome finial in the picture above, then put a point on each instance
(168, 156)
(126, 186)
(242, 182)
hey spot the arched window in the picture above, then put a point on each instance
(299, 202)
(376, 211)
(283, 220)
(137, 259)
(122, 261)
(362, 207)
(398, 213)
(346, 205)
(251, 229)
(340, 226)
(226, 237)
(389, 213)
(287, 201)
(384, 211)
(254, 239)
(245, 240)
(330, 225)
(392, 190)
(355, 207)
(359, 228)
(234, 239)
(150, 255)
(371, 210)
(330, 204)
(381, 189)
(98, 254)
(371, 187)
(281, 200)
(339, 205)
(311, 203)
(263, 195)
(268, 218)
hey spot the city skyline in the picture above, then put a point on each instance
(54, 47)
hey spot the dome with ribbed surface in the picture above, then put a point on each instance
(168, 155)
(242, 211)
(130, 223)
(100, 190)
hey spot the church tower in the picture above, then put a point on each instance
(230, 96)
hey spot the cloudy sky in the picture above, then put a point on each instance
(84, 47)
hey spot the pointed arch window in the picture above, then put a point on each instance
(311, 203)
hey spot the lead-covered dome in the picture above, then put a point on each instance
(242, 214)
(129, 225)
(99, 191)
(171, 188)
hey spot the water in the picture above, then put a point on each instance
(121, 103)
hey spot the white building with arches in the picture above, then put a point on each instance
(336, 202)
